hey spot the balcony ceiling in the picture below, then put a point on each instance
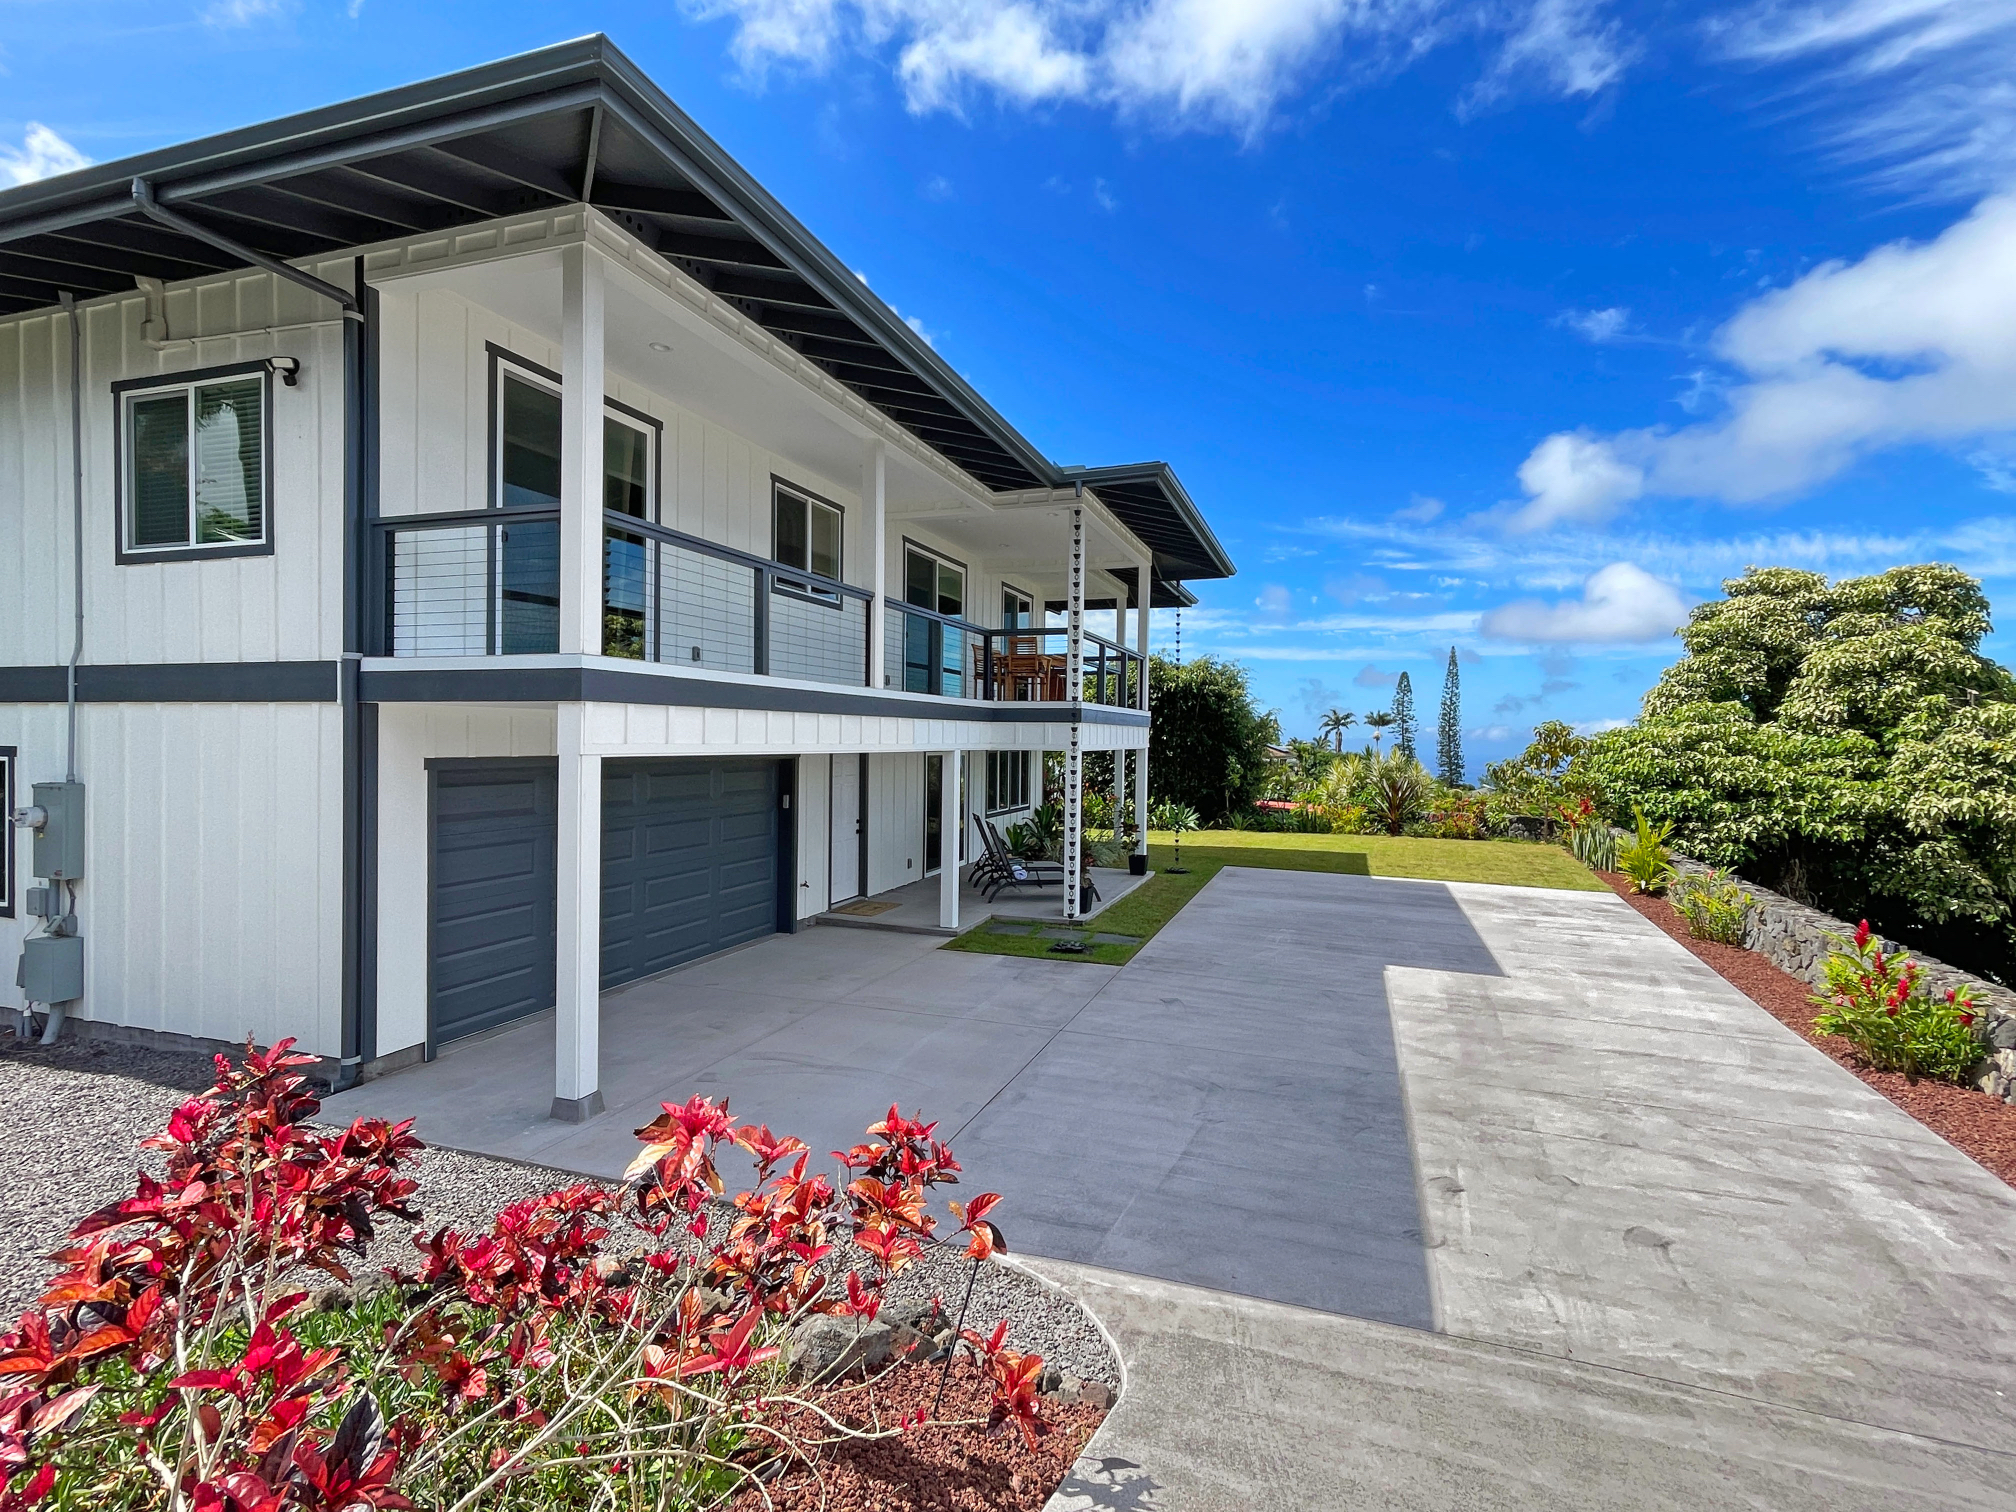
(555, 127)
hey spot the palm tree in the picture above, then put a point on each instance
(1378, 722)
(1336, 722)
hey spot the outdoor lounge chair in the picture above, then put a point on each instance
(1005, 869)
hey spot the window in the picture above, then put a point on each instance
(1018, 609)
(805, 532)
(1007, 781)
(9, 836)
(626, 490)
(195, 478)
(933, 582)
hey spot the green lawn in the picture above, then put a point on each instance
(1513, 863)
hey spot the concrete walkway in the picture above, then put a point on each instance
(1676, 1257)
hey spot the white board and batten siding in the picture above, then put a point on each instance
(211, 905)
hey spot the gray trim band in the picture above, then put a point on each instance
(177, 682)
(607, 685)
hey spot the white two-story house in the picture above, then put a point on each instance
(468, 548)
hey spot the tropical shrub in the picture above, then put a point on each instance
(1398, 792)
(1552, 771)
(1587, 834)
(176, 1361)
(1177, 818)
(1208, 745)
(1349, 819)
(1877, 1003)
(1458, 816)
(1846, 744)
(1714, 906)
(1646, 861)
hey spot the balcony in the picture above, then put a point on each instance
(486, 583)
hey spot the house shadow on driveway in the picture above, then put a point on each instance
(1225, 1110)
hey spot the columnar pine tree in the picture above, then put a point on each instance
(1403, 717)
(1449, 731)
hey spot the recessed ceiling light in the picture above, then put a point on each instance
(659, 346)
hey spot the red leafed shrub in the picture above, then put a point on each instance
(174, 1361)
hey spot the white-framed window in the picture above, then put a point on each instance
(526, 445)
(931, 581)
(1007, 781)
(805, 530)
(1018, 609)
(195, 475)
(8, 833)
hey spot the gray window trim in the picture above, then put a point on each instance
(781, 484)
(126, 557)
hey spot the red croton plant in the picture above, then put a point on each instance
(176, 1360)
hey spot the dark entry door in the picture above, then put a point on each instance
(491, 944)
(689, 861)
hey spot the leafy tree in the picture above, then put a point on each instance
(1207, 747)
(1547, 774)
(1449, 727)
(1379, 721)
(1403, 716)
(1844, 743)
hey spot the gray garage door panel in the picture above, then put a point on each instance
(492, 956)
(689, 861)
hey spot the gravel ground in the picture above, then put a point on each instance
(89, 1106)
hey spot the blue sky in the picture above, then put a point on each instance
(1513, 326)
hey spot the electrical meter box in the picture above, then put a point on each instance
(51, 969)
(59, 844)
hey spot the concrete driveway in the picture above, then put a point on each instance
(1396, 1194)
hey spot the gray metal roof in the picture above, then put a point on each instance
(577, 121)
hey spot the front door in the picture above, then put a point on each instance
(845, 866)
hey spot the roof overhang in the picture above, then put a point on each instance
(573, 123)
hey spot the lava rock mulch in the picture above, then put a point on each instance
(1979, 1126)
(949, 1469)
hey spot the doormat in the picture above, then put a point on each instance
(864, 908)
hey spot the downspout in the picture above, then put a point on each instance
(53, 1025)
(350, 1055)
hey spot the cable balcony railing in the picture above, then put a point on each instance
(487, 583)
(928, 652)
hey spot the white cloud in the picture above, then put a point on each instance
(1599, 326)
(245, 12)
(1213, 63)
(42, 154)
(1563, 43)
(1620, 605)
(1574, 476)
(1926, 89)
(1914, 344)
(1420, 509)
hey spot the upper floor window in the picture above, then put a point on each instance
(197, 472)
(805, 532)
(933, 582)
(1018, 609)
(528, 449)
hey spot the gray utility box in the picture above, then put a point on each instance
(52, 969)
(59, 844)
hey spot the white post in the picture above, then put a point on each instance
(1145, 578)
(581, 460)
(874, 484)
(951, 830)
(577, 998)
(1074, 688)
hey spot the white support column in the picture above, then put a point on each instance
(1145, 576)
(951, 830)
(1074, 687)
(577, 998)
(581, 460)
(874, 487)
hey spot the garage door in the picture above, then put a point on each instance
(689, 861)
(493, 884)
